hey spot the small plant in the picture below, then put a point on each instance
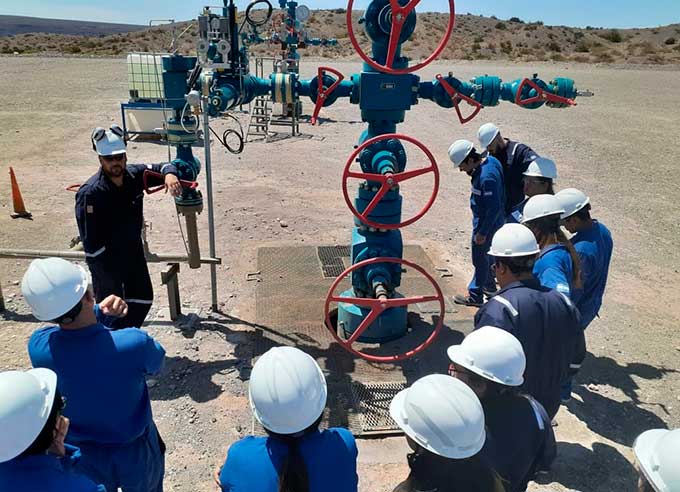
(582, 47)
(502, 26)
(613, 36)
(516, 20)
(506, 47)
(478, 39)
(553, 46)
(670, 41)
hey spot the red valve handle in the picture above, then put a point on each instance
(324, 92)
(185, 184)
(457, 98)
(388, 181)
(399, 16)
(74, 188)
(541, 95)
(378, 306)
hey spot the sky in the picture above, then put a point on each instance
(579, 13)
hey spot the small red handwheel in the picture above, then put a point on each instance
(388, 181)
(74, 188)
(323, 92)
(185, 184)
(399, 16)
(541, 95)
(457, 98)
(378, 306)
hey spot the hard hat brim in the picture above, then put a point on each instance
(526, 219)
(644, 448)
(457, 355)
(583, 205)
(484, 143)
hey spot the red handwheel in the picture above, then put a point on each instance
(457, 98)
(74, 188)
(323, 92)
(541, 95)
(399, 16)
(185, 184)
(378, 306)
(388, 181)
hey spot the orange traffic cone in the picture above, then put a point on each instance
(17, 200)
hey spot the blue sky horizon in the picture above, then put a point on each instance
(582, 13)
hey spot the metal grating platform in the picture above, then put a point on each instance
(331, 259)
(372, 402)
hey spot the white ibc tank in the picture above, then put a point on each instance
(145, 76)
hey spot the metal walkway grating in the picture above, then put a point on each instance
(331, 259)
(372, 403)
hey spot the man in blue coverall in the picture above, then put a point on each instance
(593, 243)
(488, 215)
(514, 157)
(102, 374)
(110, 216)
(545, 321)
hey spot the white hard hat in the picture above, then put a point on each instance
(657, 452)
(487, 132)
(109, 142)
(26, 400)
(572, 200)
(441, 414)
(493, 354)
(53, 286)
(459, 151)
(541, 206)
(513, 240)
(542, 167)
(287, 390)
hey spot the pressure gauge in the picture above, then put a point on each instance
(302, 13)
(215, 24)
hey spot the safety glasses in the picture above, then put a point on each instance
(113, 158)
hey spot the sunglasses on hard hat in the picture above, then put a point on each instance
(100, 133)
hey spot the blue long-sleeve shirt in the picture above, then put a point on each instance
(515, 160)
(102, 374)
(46, 473)
(594, 247)
(487, 197)
(110, 218)
(547, 325)
(554, 269)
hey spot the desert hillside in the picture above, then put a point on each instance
(475, 38)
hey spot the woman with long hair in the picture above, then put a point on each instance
(558, 266)
(444, 425)
(538, 179)
(288, 396)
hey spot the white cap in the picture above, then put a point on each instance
(487, 132)
(542, 167)
(441, 414)
(657, 452)
(26, 400)
(493, 354)
(459, 151)
(287, 390)
(572, 200)
(541, 206)
(514, 240)
(53, 286)
(109, 142)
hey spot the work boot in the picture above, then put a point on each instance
(467, 301)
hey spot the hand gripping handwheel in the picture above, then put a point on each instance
(457, 98)
(322, 91)
(378, 306)
(388, 181)
(541, 95)
(399, 16)
(185, 184)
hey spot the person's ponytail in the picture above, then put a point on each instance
(575, 259)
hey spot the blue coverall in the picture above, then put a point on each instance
(547, 325)
(554, 269)
(594, 247)
(110, 221)
(486, 202)
(515, 160)
(46, 473)
(253, 464)
(519, 438)
(516, 213)
(102, 375)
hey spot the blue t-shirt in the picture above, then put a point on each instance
(253, 463)
(102, 375)
(594, 247)
(45, 473)
(554, 269)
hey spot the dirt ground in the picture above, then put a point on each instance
(618, 147)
